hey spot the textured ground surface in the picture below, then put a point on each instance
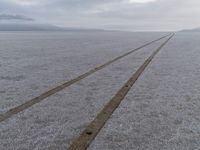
(31, 63)
(162, 111)
(56, 121)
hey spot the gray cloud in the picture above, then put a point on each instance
(109, 14)
(14, 17)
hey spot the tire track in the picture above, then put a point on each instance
(50, 92)
(91, 131)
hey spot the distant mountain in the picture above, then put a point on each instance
(39, 27)
(191, 30)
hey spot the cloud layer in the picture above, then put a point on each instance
(135, 15)
(14, 17)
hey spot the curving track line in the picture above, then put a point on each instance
(91, 131)
(48, 93)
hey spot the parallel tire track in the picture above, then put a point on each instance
(91, 131)
(46, 94)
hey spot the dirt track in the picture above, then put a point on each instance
(46, 94)
(87, 136)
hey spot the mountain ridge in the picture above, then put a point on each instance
(191, 30)
(40, 27)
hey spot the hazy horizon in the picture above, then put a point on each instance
(125, 15)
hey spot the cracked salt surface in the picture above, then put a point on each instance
(56, 121)
(32, 63)
(162, 110)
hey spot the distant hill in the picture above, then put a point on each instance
(39, 27)
(191, 30)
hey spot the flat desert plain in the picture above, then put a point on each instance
(160, 111)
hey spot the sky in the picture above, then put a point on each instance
(129, 15)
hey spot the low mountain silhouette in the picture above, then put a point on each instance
(39, 27)
(191, 30)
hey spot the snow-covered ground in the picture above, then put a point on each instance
(32, 63)
(56, 121)
(162, 110)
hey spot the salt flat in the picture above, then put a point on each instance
(56, 121)
(162, 111)
(34, 62)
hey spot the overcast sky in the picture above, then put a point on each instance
(134, 15)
